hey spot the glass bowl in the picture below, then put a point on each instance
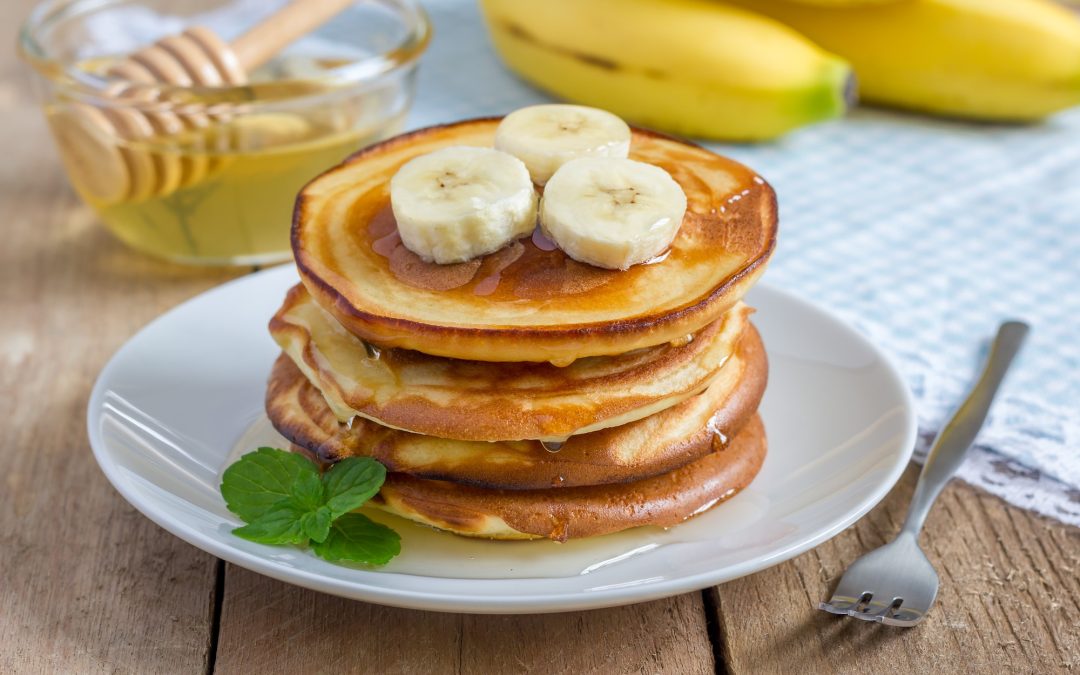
(209, 174)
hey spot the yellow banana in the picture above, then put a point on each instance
(692, 67)
(844, 3)
(987, 59)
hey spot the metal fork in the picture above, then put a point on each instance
(896, 584)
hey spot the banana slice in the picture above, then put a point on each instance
(612, 212)
(458, 203)
(547, 136)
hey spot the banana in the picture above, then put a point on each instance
(691, 67)
(611, 212)
(845, 3)
(1009, 60)
(458, 203)
(547, 136)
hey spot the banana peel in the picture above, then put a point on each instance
(845, 3)
(995, 60)
(691, 67)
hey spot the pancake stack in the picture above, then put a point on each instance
(523, 394)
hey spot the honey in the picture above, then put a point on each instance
(211, 176)
(237, 181)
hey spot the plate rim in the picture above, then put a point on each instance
(506, 604)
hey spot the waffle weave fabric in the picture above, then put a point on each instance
(922, 233)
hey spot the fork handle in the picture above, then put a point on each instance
(952, 443)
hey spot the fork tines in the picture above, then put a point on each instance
(866, 608)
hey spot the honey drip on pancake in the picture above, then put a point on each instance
(385, 246)
(683, 341)
(658, 258)
(531, 268)
(541, 241)
(719, 438)
(494, 265)
(553, 446)
(371, 350)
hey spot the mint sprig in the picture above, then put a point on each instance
(284, 500)
(356, 538)
(260, 479)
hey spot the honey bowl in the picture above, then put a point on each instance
(205, 170)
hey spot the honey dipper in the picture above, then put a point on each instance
(196, 57)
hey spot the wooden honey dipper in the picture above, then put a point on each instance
(196, 57)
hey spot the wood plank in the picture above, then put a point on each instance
(1008, 600)
(269, 625)
(88, 584)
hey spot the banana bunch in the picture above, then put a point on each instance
(1009, 60)
(755, 69)
(692, 67)
(844, 3)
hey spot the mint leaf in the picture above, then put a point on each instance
(280, 524)
(316, 524)
(284, 500)
(357, 538)
(307, 491)
(259, 480)
(351, 482)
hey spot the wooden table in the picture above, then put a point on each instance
(89, 585)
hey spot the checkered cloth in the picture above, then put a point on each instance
(922, 233)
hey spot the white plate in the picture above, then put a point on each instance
(186, 393)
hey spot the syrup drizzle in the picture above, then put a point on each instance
(737, 197)
(719, 438)
(683, 341)
(487, 285)
(658, 258)
(501, 259)
(541, 241)
(553, 446)
(372, 351)
(385, 246)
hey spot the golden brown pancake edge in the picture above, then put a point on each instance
(618, 454)
(588, 511)
(425, 394)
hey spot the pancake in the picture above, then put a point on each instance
(528, 302)
(588, 511)
(647, 447)
(425, 394)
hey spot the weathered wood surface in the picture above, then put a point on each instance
(1010, 588)
(89, 585)
(268, 626)
(86, 583)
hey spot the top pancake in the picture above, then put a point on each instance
(526, 303)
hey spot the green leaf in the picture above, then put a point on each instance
(316, 524)
(256, 482)
(284, 500)
(280, 524)
(351, 482)
(307, 491)
(356, 538)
